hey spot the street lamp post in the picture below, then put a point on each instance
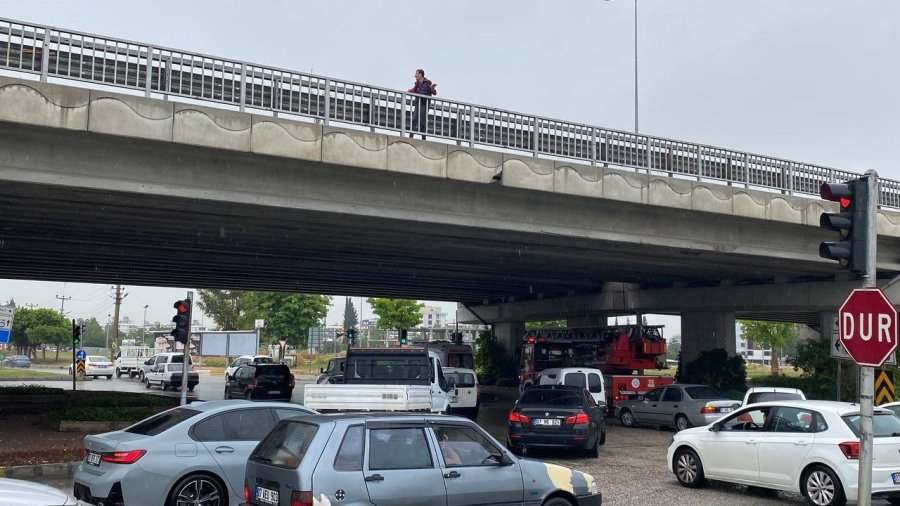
(108, 327)
(144, 326)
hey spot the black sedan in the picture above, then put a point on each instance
(556, 416)
(261, 382)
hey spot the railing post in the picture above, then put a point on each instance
(327, 101)
(45, 55)
(243, 87)
(536, 134)
(649, 157)
(746, 171)
(403, 113)
(148, 78)
(471, 126)
(593, 150)
(372, 101)
(790, 180)
(699, 163)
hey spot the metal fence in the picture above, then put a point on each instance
(52, 52)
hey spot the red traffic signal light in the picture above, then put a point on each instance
(851, 222)
(182, 320)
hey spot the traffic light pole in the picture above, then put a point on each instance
(73, 356)
(187, 351)
(867, 373)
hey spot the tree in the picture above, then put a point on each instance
(673, 348)
(58, 334)
(350, 318)
(396, 314)
(716, 369)
(32, 318)
(546, 324)
(773, 335)
(94, 335)
(287, 316)
(492, 362)
(226, 307)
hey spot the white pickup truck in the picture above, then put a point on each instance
(384, 379)
(128, 360)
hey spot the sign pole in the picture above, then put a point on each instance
(866, 372)
(73, 356)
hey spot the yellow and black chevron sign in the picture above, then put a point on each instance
(79, 369)
(884, 387)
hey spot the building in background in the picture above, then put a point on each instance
(433, 317)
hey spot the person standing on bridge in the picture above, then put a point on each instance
(422, 86)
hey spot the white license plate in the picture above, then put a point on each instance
(552, 422)
(267, 495)
(896, 478)
(726, 410)
(274, 392)
(93, 459)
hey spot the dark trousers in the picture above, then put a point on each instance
(420, 117)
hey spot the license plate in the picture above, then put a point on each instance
(726, 410)
(266, 495)
(274, 392)
(896, 478)
(552, 422)
(93, 459)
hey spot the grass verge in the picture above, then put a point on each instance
(15, 374)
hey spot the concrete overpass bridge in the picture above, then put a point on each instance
(515, 216)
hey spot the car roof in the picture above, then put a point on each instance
(224, 405)
(574, 369)
(361, 417)
(791, 390)
(573, 388)
(840, 408)
(457, 369)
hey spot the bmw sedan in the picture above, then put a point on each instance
(557, 416)
(810, 447)
(680, 406)
(194, 454)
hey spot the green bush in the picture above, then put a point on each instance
(90, 414)
(492, 362)
(777, 381)
(819, 377)
(29, 390)
(716, 369)
(117, 400)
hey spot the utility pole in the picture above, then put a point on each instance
(31, 306)
(62, 303)
(119, 296)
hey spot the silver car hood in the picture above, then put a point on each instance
(26, 493)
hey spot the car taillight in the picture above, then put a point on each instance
(850, 449)
(579, 418)
(515, 416)
(301, 498)
(292, 381)
(247, 493)
(129, 457)
(707, 409)
(253, 384)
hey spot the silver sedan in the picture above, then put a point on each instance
(194, 454)
(679, 406)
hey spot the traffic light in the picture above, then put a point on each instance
(852, 223)
(403, 338)
(351, 335)
(182, 320)
(76, 335)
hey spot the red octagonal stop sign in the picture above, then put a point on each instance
(868, 326)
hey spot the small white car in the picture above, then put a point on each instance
(97, 366)
(27, 493)
(765, 394)
(244, 360)
(809, 447)
(464, 394)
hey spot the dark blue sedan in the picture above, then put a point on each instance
(18, 361)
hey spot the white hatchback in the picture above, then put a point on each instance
(810, 447)
(463, 391)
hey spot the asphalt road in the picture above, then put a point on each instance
(631, 469)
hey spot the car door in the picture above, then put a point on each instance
(230, 437)
(645, 408)
(595, 387)
(400, 467)
(785, 443)
(731, 452)
(474, 470)
(669, 405)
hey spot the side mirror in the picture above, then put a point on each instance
(451, 382)
(321, 370)
(641, 398)
(716, 427)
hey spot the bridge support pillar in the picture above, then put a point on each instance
(706, 331)
(510, 335)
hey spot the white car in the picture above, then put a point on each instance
(27, 493)
(464, 394)
(584, 377)
(194, 454)
(97, 366)
(765, 394)
(244, 360)
(810, 447)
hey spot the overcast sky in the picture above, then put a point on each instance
(807, 80)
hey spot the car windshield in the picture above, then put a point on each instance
(704, 392)
(97, 359)
(286, 445)
(462, 379)
(162, 422)
(772, 396)
(883, 424)
(541, 397)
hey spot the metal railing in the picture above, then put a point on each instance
(52, 52)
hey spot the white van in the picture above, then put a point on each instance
(585, 377)
(463, 385)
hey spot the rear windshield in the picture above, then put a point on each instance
(883, 424)
(162, 422)
(263, 360)
(463, 379)
(389, 370)
(772, 396)
(575, 379)
(704, 393)
(175, 367)
(98, 359)
(541, 397)
(286, 445)
(277, 373)
(462, 359)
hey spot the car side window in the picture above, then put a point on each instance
(752, 420)
(575, 379)
(284, 413)
(399, 448)
(350, 455)
(788, 419)
(211, 429)
(672, 395)
(247, 424)
(653, 395)
(595, 383)
(464, 447)
(589, 399)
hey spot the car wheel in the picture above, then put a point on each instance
(688, 468)
(163, 385)
(146, 384)
(227, 395)
(118, 373)
(821, 487)
(627, 418)
(556, 501)
(603, 436)
(248, 395)
(682, 423)
(198, 489)
(594, 451)
(141, 376)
